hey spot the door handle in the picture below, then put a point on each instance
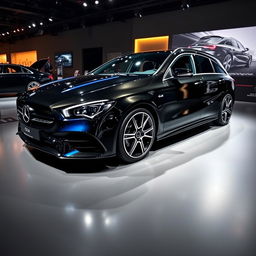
(199, 82)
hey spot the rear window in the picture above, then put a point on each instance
(203, 64)
(210, 40)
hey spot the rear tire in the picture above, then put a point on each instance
(225, 111)
(136, 135)
(227, 62)
(32, 85)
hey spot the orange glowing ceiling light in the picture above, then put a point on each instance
(160, 43)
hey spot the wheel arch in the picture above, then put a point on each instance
(148, 106)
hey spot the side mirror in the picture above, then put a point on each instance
(182, 72)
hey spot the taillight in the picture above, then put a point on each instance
(51, 77)
(210, 47)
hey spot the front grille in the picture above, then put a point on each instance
(40, 117)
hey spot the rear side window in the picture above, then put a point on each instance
(203, 64)
(218, 68)
(228, 42)
(26, 70)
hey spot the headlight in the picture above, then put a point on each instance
(89, 110)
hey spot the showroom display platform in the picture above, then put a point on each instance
(191, 196)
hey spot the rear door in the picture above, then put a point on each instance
(211, 82)
(13, 79)
(180, 97)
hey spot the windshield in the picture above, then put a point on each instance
(142, 63)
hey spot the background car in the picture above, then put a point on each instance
(17, 78)
(122, 107)
(228, 50)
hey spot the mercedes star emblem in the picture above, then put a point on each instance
(26, 113)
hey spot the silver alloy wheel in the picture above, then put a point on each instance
(226, 111)
(227, 62)
(138, 135)
(32, 85)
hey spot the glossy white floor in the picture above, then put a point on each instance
(192, 197)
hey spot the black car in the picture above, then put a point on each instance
(228, 50)
(125, 105)
(17, 78)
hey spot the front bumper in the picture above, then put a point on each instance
(72, 139)
(68, 149)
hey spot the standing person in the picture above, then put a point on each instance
(48, 67)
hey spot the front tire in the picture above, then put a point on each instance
(136, 135)
(248, 64)
(225, 111)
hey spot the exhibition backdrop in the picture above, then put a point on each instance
(236, 48)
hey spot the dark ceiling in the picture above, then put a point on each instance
(25, 18)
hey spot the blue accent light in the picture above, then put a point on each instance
(71, 153)
(93, 82)
(56, 81)
(75, 126)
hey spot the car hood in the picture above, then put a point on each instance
(75, 90)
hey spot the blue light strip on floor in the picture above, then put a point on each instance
(93, 82)
(71, 153)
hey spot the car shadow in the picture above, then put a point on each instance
(98, 184)
(78, 166)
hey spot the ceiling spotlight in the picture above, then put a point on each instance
(138, 14)
(14, 31)
(41, 23)
(7, 33)
(184, 5)
(97, 2)
(29, 26)
(18, 30)
(3, 34)
(85, 4)
(33, 25)
(50, 19)
(22, 29)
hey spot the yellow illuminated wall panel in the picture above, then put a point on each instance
(160, 43)
(24, 58)
(3, 58)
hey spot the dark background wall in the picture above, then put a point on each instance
(118, 37)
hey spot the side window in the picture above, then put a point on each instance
(203, 64)
(13, 69)
(228, 42)
(182, 65)
(235, 44)
(27, 71)
(240, 46)
(218, 68)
